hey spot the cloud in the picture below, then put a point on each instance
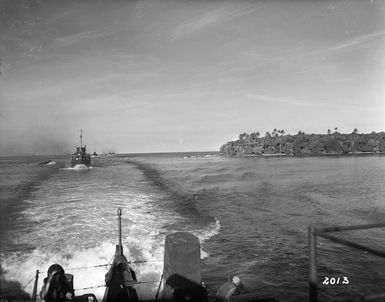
(296, 102)
(284, 54)
(80, 37)
(274, 99)
(213, 17)
(347, 44)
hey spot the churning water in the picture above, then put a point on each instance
(250, 214)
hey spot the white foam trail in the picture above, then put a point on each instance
(78, 167)
(85, 265)
(23, 267)
(75, 236)
(76, 226)
(207, 233)
(138, 245)
(212, 230)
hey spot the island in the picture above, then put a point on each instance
(278, 143)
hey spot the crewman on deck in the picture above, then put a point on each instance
(56, 285)
(229, 289)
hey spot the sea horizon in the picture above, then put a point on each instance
(115, 153)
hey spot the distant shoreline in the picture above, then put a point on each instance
(194, 153)
(278, 143)
(308, 155)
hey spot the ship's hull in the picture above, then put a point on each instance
(81, 159)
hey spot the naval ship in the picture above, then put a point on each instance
(80, 156)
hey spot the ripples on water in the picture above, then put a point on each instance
(251, 215)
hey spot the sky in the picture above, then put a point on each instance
(185, 75)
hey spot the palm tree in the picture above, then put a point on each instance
(257, 136)
(242, 136)
(253, 138)
(275, 132)
(247, 138)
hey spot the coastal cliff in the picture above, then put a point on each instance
(279, 143)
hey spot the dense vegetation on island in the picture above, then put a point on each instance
(279, 143)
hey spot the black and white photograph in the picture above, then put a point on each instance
(192, 150)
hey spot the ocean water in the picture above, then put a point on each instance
(250, 214)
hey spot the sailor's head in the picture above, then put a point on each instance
(55, 269)
(236, 281)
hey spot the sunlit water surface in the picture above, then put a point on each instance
(250, 214)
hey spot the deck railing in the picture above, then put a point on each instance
(324, 233)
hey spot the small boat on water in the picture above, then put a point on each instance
(80, 157)
(46, 163)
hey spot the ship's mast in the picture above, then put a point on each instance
(81, 138)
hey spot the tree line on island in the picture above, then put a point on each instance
(279, 143)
